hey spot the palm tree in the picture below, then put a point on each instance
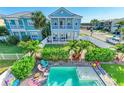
(120, 49)
(94, 23)
(39, 20)
(31, 47)
(46, 31)
(3, 31)
(76, 48)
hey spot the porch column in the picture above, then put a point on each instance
(17, 24)
(66, 23)
(20, 37)
(52, 37)
(58, 23)
(23, 24)
(73, 27)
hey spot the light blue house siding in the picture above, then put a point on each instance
(21, 25)
(64, 26)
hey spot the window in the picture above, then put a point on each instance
(55, 37)
(12, 22)
(20, 22)
(29, 22)
(34, 35)
(55, 23)
(16, 33)
(68, 23)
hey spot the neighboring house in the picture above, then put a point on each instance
(64, 26)
(86, 25)
(110, 25)
(104, 25)
(20, 24)
(114, 25)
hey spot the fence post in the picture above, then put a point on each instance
(2, 56)
(17, 56)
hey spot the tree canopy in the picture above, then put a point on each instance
(38, 19)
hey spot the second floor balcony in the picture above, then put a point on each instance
(17, 27)
(62, 27)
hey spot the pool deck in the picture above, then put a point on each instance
(105, 78)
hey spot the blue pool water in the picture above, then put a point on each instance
(67, 76)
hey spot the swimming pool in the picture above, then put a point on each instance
(70, 76)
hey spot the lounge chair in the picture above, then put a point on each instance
(44, 63)
(40, 68)
(36, 80)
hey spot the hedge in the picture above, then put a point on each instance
(55, 52)
(100, 54)
(23, 67)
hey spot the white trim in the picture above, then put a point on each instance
(64, 9)
(18, 30)
(65, 17)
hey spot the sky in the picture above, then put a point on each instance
(88, 13)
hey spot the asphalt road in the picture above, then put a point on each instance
(98, 35)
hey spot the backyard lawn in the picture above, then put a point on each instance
(116, 72)
(4, 64)
(4, 48)
(55, 52)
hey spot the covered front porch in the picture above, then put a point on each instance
(62, 37)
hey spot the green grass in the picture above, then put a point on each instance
(5, 64)
(55, 52)
(5, 48)
(116, 72)
(82, 34)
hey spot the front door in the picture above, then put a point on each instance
(61, 24)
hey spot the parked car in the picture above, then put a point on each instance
(114, 40)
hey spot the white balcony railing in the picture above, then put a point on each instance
(62, 27)
(16, 27)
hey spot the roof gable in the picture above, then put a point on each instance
(62, 12)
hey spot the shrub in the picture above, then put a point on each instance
(55, 52)
(3, 31)
(26, 38)
(23, 67)
(12, 40)
(100, 54)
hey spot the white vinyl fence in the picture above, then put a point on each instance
(10, 56)
(3, 37)
(43, 42)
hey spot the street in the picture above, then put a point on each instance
(98, 35)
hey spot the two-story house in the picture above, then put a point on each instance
(64, 26)
(20, 24)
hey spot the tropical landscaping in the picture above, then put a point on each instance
(71, 52)
(56, 53)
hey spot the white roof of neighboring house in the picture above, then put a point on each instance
(113, 20)
(19, 14)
